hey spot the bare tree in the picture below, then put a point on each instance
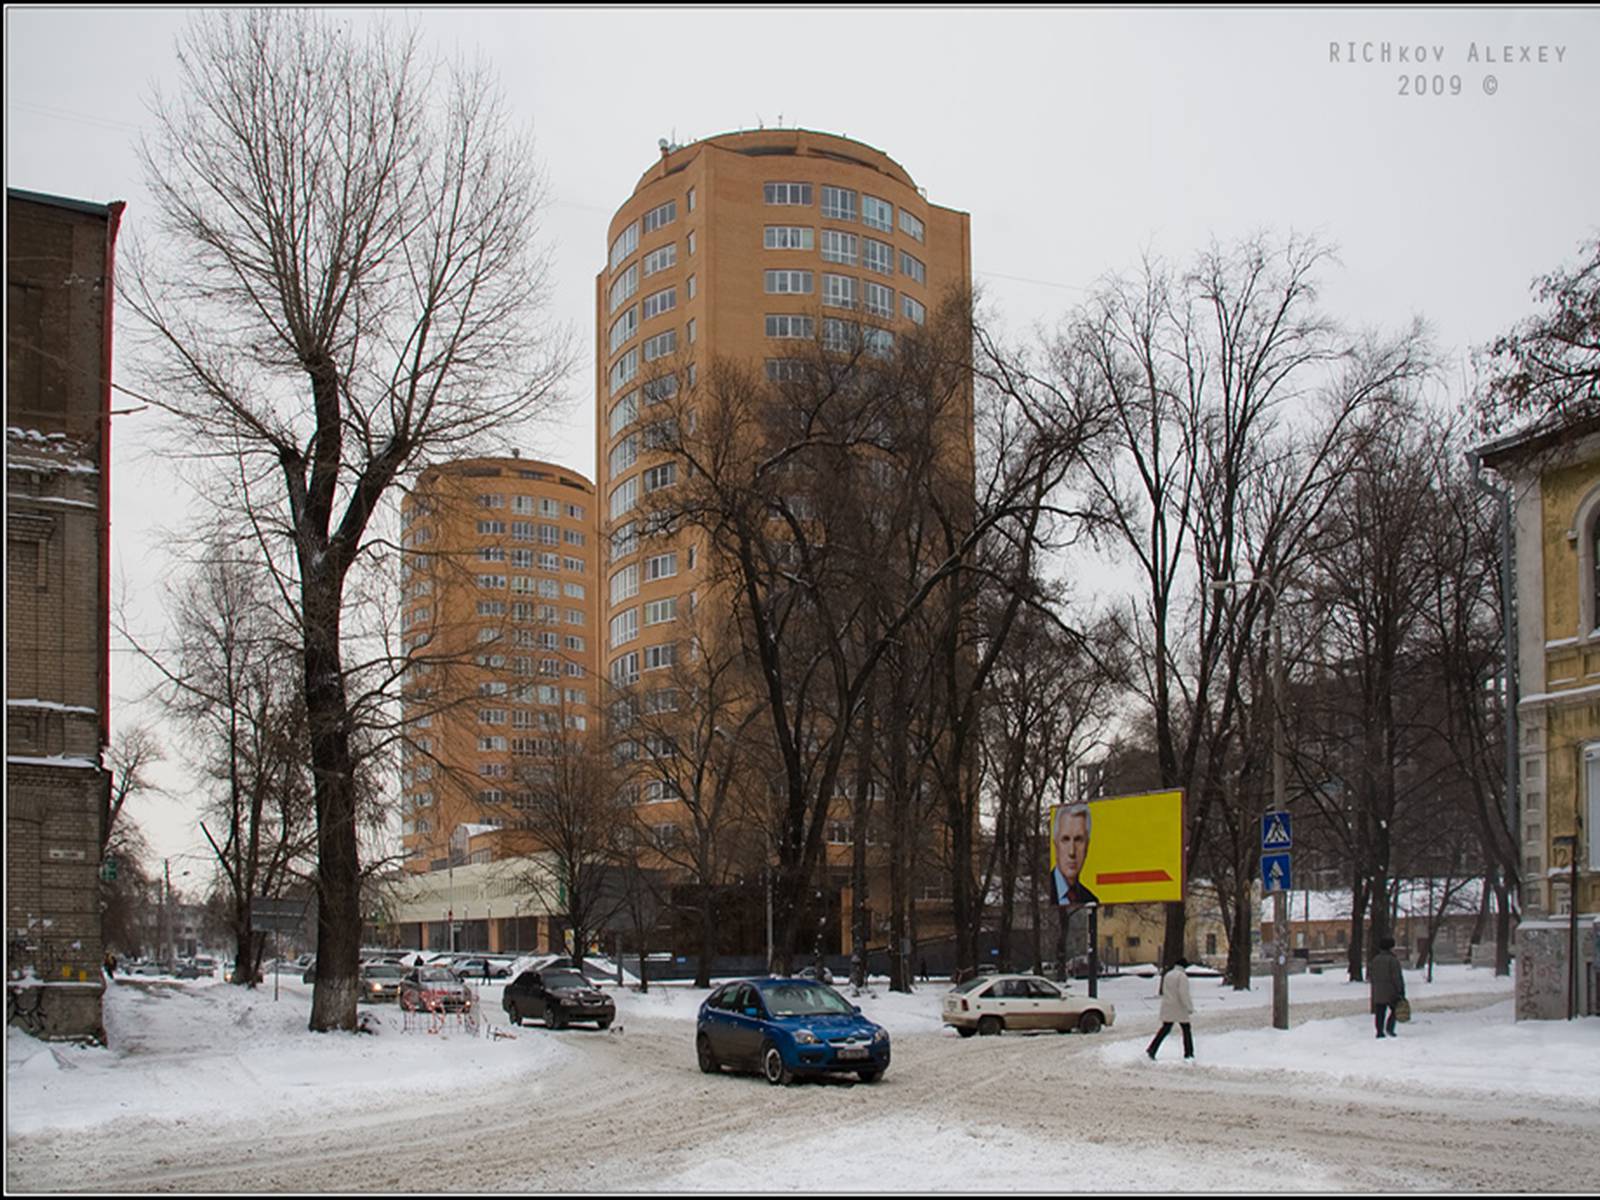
(1462, 643)
(232, 681)
(1236, 400)
(792, 481)
(343, 290)
(127, 900)
(1547, 367)
(133, 752)
(574, 810)
(688, 735)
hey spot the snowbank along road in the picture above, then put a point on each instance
(629, 1110)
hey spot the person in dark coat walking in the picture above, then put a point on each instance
(1388, 984)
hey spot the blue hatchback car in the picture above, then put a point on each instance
(788, 1027)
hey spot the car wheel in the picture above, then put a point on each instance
(514, 1013)
(774, 1068)
(965, 1031)
(554, 1018)
(707, 1057)
(604, 1023)
(990, 1026)
(1090, 1022)
(870, 1076)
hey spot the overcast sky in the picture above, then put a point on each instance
(1077, 140)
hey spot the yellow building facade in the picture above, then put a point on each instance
(1555, 483)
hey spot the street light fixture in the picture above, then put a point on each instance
(1280, 899)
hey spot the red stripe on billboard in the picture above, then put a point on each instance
(1133, 877)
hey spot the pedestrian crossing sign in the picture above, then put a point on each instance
(1277, 831)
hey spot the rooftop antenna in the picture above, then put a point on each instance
(760, 124)
(780, 120)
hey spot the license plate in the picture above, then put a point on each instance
(851, 1052)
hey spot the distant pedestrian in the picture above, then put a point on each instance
(1388, 983)
(1177, 1007)
(111, 965)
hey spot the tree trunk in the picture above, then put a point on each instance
(860, 814)
(333, 1001)
(1240, 943)
(900, 969)
(1502, 926)
(1357, 961)
(708, 936)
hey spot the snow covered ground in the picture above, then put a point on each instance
(192, 1053)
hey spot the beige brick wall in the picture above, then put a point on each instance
(57, 616)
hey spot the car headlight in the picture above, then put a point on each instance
(805, 1037)
(882, 1035)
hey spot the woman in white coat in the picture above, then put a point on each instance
(1177, 1007)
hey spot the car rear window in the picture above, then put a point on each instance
(972, 985)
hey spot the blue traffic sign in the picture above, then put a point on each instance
(1277, 831)
(1275, 873)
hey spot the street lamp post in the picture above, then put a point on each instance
(1280, 898)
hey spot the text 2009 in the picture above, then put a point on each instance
(1430, 85)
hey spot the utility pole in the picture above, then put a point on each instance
(164, 924)
(1280, 897)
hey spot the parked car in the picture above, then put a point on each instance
(381, 981)
(433, 988)
(233, 970)
(820, 973)
(991, 1004)
(473, 968)
(558, 996)
(788, 1027)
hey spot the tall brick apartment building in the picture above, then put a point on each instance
(59, 295)
(500, 613)
(746, 246)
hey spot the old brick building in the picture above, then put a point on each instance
(59, 258)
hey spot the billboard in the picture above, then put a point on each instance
(1118, 849)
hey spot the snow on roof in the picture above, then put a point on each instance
(52, 705)
(1417, 897)
(35, 450)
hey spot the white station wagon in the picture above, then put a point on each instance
(992, 1004)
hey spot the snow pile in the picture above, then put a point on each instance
(182, 1051)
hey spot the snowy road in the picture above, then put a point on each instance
(630, 1111)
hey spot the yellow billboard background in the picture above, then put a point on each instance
(1135, 848)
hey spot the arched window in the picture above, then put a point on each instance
(1586, 526)
(1594, 571)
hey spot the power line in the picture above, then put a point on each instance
(67, 114)
(1050, 283)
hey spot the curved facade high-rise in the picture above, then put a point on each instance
(738, 246)
(500, 614)
(760, 247)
